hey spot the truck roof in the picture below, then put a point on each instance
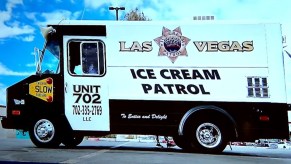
(101, 22)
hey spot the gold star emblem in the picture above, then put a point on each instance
(172, 44)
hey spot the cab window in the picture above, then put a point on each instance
(86, 58)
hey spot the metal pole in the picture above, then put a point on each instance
(116, 10)
(116, 14)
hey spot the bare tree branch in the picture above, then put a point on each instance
(136, 15)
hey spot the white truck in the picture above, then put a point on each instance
(205, 84)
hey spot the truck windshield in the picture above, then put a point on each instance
(50, 59)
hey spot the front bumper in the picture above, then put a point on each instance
(7, 123)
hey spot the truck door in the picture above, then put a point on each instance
(86, 92)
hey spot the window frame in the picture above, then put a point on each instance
(99, 53)
(257, 87)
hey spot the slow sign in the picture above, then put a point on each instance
(42, 89)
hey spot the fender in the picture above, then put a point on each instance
(199, 108)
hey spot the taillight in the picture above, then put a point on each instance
(264, 118)
(16, 112)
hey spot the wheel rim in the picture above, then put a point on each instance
(44, 130)
(208, 135)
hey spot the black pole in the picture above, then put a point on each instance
(116, 10)
(116, 14)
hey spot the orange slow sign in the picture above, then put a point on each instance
(42, 89)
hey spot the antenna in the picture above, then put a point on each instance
(61, 20)
(83, 13)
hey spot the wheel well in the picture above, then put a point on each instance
(212, 113)
(60, 120)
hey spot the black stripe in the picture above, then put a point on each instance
(81, 30)
(245, 114)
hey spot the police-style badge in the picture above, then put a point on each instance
(172, 44)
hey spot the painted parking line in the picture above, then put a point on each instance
(91, 155)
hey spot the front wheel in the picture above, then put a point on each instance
(207, 136)
(45, 133)
(72, 141)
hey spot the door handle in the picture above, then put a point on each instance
(66, 84)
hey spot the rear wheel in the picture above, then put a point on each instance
(207, 135)
(45, 133)
(183, 143)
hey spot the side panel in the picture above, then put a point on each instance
(165, 70)
(197, 62)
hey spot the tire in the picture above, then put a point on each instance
(183, 143)
(207, 135)
(72, 141)
(45, 133)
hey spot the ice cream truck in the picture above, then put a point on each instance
(204, 84)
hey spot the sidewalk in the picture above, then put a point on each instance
(125, 138)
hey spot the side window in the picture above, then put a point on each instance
(87, 57)
(74, 63)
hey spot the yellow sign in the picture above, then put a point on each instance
(42, 89)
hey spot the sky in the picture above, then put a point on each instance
(20, 22)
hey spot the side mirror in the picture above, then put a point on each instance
(47, 31)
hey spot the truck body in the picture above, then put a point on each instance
(205, 84)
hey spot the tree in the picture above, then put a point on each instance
(135, 15)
